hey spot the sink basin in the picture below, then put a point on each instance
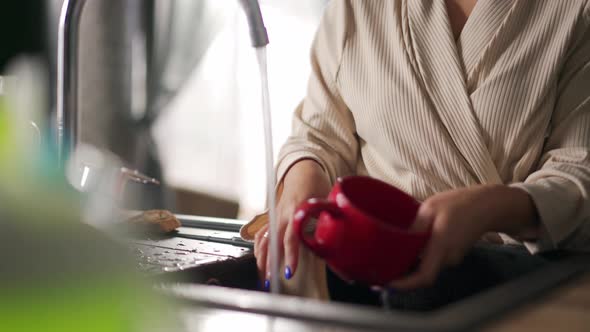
(465, 315)
(529, 276)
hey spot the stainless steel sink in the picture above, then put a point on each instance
(240, 300)
(466, 315)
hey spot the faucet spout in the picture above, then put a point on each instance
(258, 33)
(67, 68)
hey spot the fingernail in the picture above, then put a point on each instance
(266, 284)
(258, 285)
(288, 273)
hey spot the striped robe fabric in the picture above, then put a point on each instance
(393, 95)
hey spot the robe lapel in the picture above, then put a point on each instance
(486, 22)
(443, 77)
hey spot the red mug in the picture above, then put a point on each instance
(362, 230)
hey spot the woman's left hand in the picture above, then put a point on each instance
(459, 218)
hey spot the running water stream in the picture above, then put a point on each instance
(270, 173)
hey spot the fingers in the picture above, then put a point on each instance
(263, 257)
(261, 251)
(424, 218)
(427, 271)
(281, 236)
(291, 247)
(432, 255)
(258, 238)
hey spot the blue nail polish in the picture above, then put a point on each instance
(288, 273)
(266, 284)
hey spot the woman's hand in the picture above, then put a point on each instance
(305, 179)
(459, 218)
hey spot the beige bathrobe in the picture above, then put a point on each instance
(394, 96)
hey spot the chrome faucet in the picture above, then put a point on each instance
(258, 34)
(67, 68)
(67, 78)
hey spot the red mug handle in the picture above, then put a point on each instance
(307, 210)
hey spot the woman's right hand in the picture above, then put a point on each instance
(305, 179)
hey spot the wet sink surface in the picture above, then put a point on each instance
(233, 266)
(465, 315)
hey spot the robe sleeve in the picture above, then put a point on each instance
(323, 127)
(560, 188)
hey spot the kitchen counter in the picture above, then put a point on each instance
(566, 308)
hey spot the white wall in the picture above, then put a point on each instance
(210, 137)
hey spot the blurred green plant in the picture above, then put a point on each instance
(58, 273)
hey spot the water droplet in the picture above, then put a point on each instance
(216, 250)
(181, 244)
